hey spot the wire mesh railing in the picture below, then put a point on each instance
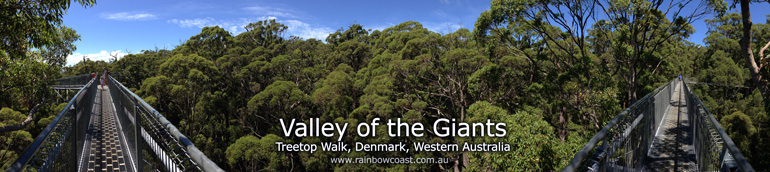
(57, 147)
(711, 140)
(75, 80)
(157, 144)
(625, 141)
(155, 135)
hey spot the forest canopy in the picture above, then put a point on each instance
(555, 79)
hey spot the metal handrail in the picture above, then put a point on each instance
(74, 80)
(23, 161)
(731, 147)
(197, 156)
(590, 146)
(623, 136)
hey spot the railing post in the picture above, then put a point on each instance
(72, 162)
(137, 134)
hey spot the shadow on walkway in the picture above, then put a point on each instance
(672, 148)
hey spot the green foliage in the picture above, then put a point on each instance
(211, 43)
(560, 76)
(11, 117)
(28, 26)
(13, 142)
(250, 153)
(86, 66)
(24, 82)
(44, 122)
(33, 49)
(279, 100)
(531, 139)
(56, 53)
(740, 129)
(261, 34)
(560, 84)
(728, 91)
(724, 71)
(135, 68)
(334, 93)
(282, 95)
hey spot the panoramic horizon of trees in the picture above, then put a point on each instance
(554, 78)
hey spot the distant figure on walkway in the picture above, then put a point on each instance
(680, 77)
(101, 80)
(105, 77)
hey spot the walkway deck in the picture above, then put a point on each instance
(106, 146)
(672, 148)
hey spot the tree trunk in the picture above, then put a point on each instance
(457, 164)
(631, 86)
(746, 51)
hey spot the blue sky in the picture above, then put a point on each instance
(122, 27)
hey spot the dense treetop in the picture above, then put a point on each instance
(553, 81)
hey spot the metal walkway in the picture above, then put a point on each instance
(113, 129)
(669, 129)
(107, 144)
(109, 129)
(672, 148)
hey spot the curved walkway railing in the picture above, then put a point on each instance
(627, 137)
(625, 141)
(56, 148)
(173, 151)
(711, 140)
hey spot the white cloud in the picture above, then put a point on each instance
(295, 27)
(267, 18)
(235, 26)
(129, 16)
(304, 30)
(287, 17)
(442, 28)
(271, 11)
(199, 22)
(379, 27)
(101, 56)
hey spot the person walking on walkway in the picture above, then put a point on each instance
(105, 77)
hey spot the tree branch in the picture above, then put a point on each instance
(762, 54)
(26, 121)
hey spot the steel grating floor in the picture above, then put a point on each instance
(106, 151)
